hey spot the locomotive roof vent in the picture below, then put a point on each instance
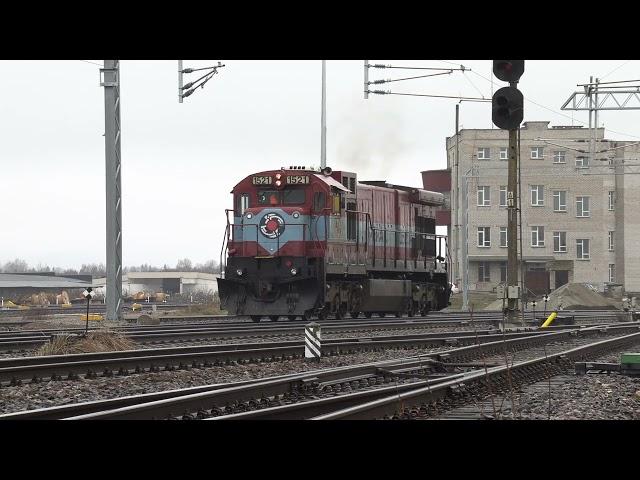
(327, 171)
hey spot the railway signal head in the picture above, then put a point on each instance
(507, 108)
(508, 70)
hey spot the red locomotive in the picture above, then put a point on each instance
(308, 243)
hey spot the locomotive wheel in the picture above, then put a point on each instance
(368, 314)
(274, 318)
(340, 313)
(323, 314)
(292, 317)
(354, 314)
(398, 314)
(306, 316)
(256, 318)
(382, 314)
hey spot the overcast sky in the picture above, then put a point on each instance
(180, 161)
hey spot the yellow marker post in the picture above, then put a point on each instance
(550, 319)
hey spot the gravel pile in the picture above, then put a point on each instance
(31, 396)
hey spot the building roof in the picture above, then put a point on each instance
(203, 276)
(16, 280)
(133, 276)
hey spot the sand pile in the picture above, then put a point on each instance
(579, 296)
(572, 296)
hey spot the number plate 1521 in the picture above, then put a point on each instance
(297, 179)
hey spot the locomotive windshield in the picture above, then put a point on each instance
(289, 196)
(269, 197)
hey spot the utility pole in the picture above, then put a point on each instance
(456, 202)
(323, 118)
(366, 79)
(180, 81)
(110, 76)
(508, 113)
(512, 223)
(471, 173)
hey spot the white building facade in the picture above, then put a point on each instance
(580, 215)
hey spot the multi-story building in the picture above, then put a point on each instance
(579, 217)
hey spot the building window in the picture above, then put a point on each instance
(503, 272)
(484, 236)
(503, 195)
(504, 154)
(484, 196)
(559, 156)
(537, 153)
(560, 242)
(503, 237)
(582, 249)
(559, 200)
(484, 272)
(611, 240)
(484, 153)
(612, 200)
(537, 195)
(612, 273)
(537, 236)
(582, 207)
(582, 162)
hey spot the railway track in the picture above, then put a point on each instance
(470, 397)
(15, 371)
(25, 340)
(311, 394)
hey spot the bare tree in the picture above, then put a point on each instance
(184, 265)
(15, 266)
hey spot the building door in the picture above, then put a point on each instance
(562, 277)
(537, 281)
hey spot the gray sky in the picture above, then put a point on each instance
(180, 161)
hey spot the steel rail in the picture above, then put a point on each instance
(228, 397)
(197, 403)
(394, 405)
(307, 410)
(16, 370)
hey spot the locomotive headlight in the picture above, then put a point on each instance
(278, 176)
(294, 271)
(249, 215)
(296, 215)
(239, 272)
(278, 183)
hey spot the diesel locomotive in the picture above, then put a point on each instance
(308, 243)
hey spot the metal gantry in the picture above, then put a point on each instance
(596, 96)
(110, 80)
